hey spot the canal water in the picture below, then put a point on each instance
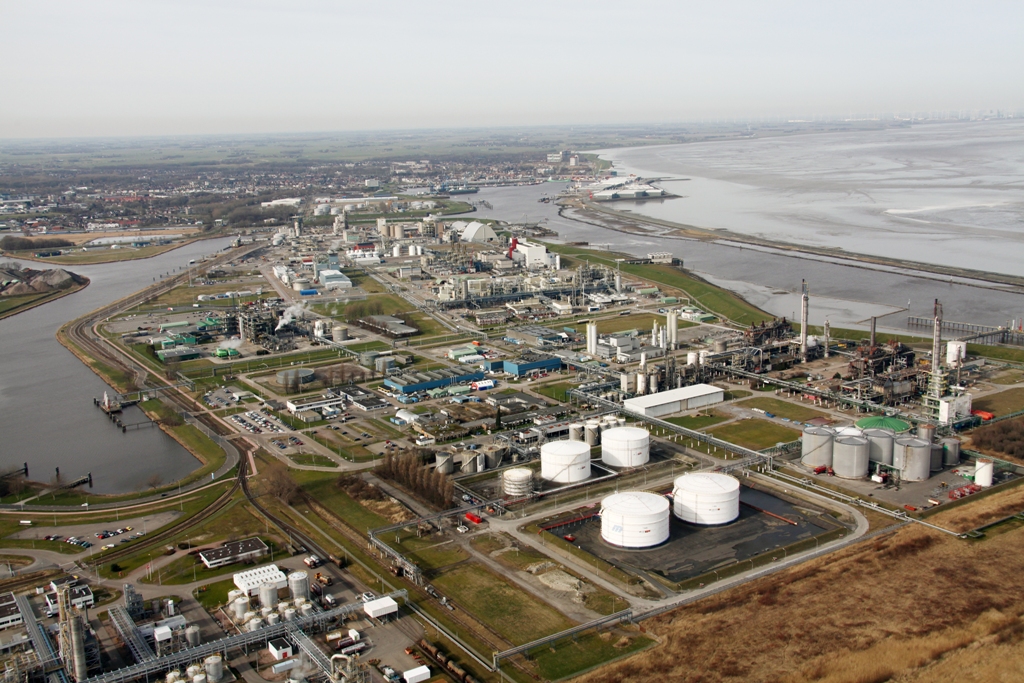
(47, 417)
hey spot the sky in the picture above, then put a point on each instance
(180, 67)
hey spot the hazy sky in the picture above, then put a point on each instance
(234, 66)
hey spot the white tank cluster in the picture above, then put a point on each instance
(565, 462)
(706, 498)
(625, 446)
(634, 519)
(517, 482)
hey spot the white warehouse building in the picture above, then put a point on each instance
(675, 400)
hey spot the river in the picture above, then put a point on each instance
(47, 416)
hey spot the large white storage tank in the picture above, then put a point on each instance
(706, 498)
(816, 446)
(634, 519)
(268, 595)
(298, 585)
(565, 462)
(850, 455)
(880, 442)
(984, 470)
(625, 446)
(917, 459)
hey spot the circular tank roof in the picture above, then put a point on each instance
(625, 434)
(707, 482)
(635, 503)
(883, 422)
(567, 448)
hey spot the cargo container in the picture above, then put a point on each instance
(474, 518)
(307, 292)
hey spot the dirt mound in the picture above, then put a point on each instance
(16, 281)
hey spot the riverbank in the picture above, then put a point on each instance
(38, 300)
(91, 258)
(590, 213)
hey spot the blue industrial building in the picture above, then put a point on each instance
(414, 382)
(526, 364)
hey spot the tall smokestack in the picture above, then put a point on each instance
(872, 340)
(937, 341)
(803, 320)
(827, 330)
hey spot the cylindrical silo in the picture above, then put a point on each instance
(936, 462)
(199, 678)
(493, 454)
(620, 421)
(565, 462)
(233, 594)
(282, 605)
(706, 498)
(816, 446)
(926, 432)
(481, 462)
(625, 446)
(984, 471)
(443, 462)
(850, 456)
(192, 636)
(306, 609)
(268, 595)
(214, 665)
(339, 333)
(634, 519)
(273, 619)
(917, 459)
(173, 676)
(396, 250)
(192, 671)
(576, 432)
(719, 346)
(517, 482)
(950, 452)
(691, 358)
(239, 607)
(881, 443)
(289, 614)
(298, 585)
(592, 432)
(266, 611)
(899, 452)
(254, 624)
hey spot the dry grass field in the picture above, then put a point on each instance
(914, 605)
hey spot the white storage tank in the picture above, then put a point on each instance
(880, 442)
(289, 614)
(214, 665)
(926, 432)
(565, 462)
(255, 624)
(899, 452)
(956, 351)
(517, 482)
(396, 250)
(634, 519)
(576, 432)
(268, 595)
(984, 471)
(173, 676)
(192, 671)
(592, 432)
(816, 445)
(691, 358)
(850, 455)
(273, 619)
(233, 594)
(936, 457)
(339, 333)
(706, 498)
(306, 609)
(239, 607)
(298, 585)
(917, 459)
(625, 446)
(192, 635)
(199, 678)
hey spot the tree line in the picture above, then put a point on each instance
(407, 469)
(1004, 437)
(12, 243)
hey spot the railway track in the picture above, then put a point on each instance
(174, 530)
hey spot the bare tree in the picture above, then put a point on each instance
(154, 480)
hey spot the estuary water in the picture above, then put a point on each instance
(950, 194)
(47, 417)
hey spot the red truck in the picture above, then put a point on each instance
(476, 519)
